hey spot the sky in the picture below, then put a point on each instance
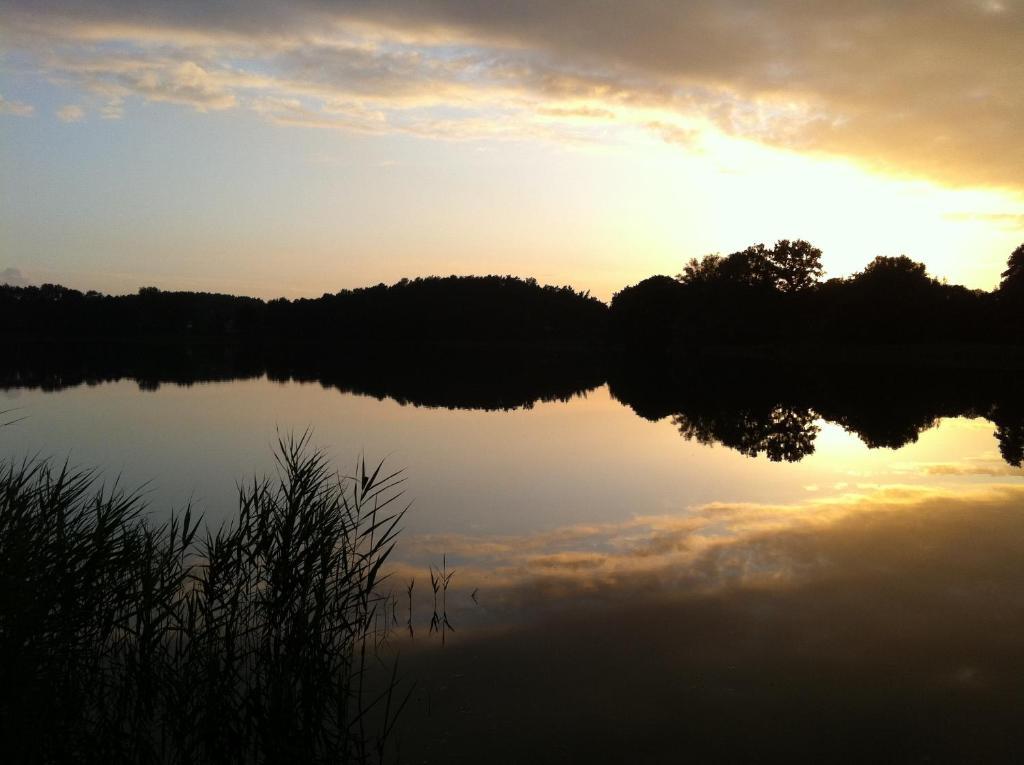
(304, 147)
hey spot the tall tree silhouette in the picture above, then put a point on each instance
(1013, 277)
(795, 265)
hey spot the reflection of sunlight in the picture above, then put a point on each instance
(953, 441)
(834, 440)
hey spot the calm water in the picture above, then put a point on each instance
(769, 586)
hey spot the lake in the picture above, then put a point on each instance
(650, 563)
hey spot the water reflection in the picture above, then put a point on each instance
(754, 408)
(455, 378)
(771, 409)
(780, 433)
(878, 627)
(624, 594)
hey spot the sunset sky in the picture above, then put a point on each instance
(299, 148)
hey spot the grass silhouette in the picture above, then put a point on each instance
(125, 641)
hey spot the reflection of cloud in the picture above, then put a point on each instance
(571, 561)
(713, 546)
(839, 630)
(914, 86)
(980, 467)
(994, 469)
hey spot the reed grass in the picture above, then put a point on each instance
(122, 640)
(440, 579)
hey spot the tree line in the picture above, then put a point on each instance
(759, 295)
(777, 294)
(473, 309)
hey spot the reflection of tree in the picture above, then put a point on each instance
(781, 433)
(1009, 420)
(460, 377)
(883, 428)
(759, 407)
(1011, 443)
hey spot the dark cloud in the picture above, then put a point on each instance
(13, 277)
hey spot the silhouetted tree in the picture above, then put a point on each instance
(748, 296)
(747, 268)
(900, 271)
(1013, 277)
(470, 309)
(757, 296)
(1010, 297)
(894, 300)
(795, 265)
(647, 314)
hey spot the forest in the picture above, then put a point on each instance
(476, 309)
(775, 295)
(762, 295)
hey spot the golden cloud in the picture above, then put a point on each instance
(919, 88)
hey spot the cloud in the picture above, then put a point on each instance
(1009, 221)
(914, 88)
(70, 113)
(586, 112)
(13, 277)
(17, 108)
(170, 78)
(675, 134)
